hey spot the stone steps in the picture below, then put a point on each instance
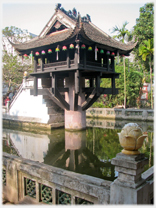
(56, 118)
(56, 114)
(55, 110)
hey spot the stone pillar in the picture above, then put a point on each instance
(129, 187)
(74, 119)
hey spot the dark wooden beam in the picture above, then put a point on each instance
(55, 99)
(115, 75)
(62, 100)
(101, 90)
(112, 63)
(35, 64)
(77, 81)
(84, 58)
(68, 59)
(54, 83)
(91, 102)
(62, 89)
(76, 102)
(42, 64)
(98, 85)
(76, 58)
(89, 75)
(86, 102)
(35, 86)
(91, 82)
(113, 85)
(107, 63)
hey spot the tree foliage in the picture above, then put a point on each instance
(134, 82)
(13, 67)
(137, 72)
(146, 50)
(16, 34)
(144, 30)
(13, 71)
(144, 24)
(121, 32)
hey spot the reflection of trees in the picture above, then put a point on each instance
(9, 147)
(79, 158)
(91, 165)
(147, 149)
(106, 144)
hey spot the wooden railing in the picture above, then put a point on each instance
(55, 64)
(96, 64)
(64, 63)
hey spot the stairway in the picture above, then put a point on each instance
(56, 114)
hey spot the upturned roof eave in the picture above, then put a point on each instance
(107, 40)
(88, 30)
(25, 46)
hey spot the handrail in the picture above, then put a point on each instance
(15, 96)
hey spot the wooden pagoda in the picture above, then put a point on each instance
(71, 55)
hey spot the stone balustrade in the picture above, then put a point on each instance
(39, 183)
(117, 113)
(116, 124)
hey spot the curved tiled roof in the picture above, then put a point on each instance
(47, 40)
(98, 36)
(87, 29)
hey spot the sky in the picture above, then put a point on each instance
(33, 15)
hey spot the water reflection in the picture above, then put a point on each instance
(86, 152)
(26, 145)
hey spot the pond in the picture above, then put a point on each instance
(87, 152)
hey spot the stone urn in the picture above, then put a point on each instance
(131, 138)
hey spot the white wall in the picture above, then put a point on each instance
(27, 105)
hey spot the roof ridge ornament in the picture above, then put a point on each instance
(74, 12)
(86, 18)
(79, 21)
(58, 6)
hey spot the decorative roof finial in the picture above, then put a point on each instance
(74, 12)
(88, 17)
(58, 6)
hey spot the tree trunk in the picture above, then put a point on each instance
(124, 83)
(151, 85)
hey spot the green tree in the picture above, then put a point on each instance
(121, 32)
(134, 82)
(16, 34)
(146, 50)
(13, 71)
(144, 30)
(13, 66)
(144, 24)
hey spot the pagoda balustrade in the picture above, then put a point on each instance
(63, 64)
(83, 60)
